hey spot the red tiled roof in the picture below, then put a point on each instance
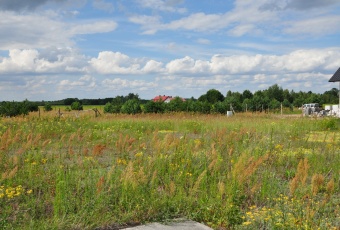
(164, 98)
(161, 98)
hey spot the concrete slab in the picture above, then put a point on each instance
(181, 225)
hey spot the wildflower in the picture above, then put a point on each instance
(197, 141)
(89, 158)
(279, 147)
(18, 190)
(279, 224)
(139, 154)
(246, 223)
(121, 161)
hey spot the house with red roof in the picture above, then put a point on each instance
(164, 98)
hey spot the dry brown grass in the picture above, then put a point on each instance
(300, 177)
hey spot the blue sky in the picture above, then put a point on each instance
(55, 49)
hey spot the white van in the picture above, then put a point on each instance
(311, 108)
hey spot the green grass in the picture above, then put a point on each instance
(248, 171)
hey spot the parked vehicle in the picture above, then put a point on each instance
(311, 108)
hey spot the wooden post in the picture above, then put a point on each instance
(96, 112)
(281, 110)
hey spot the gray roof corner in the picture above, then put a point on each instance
(335, 77)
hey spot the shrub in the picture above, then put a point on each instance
(108, 108)
(13, 109)
(76, 106)
(47, 107)
(154, 107)
(131, 107)
(329, 124)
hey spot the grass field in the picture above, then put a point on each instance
(249, 171)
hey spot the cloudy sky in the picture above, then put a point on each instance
(55, 49)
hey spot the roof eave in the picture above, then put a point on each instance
(335, 77)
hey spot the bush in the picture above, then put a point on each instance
(76, 106)
(175, 105)
(31, 106)
(112, 108)
(47, 107)
(131, 107)
(108, 108)
(154, 107)
(329, 124)
(13, 109)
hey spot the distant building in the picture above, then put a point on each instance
(164, 98)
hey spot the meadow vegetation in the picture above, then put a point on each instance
(249, 171)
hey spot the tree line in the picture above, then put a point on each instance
(213, 101)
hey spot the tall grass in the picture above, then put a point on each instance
(249, 171)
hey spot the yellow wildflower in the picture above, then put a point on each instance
(139, 154)
(246, 223)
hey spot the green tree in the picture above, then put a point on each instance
(108, 108)
(154, 107)
(203, 98)
(203, 107)
(193, 105)
(287, 104)
(47, 107)
(247, 105)
(247, 94)
(275, 92)
(175, 105)
(131, 96)
(331, 96)
(132, 106)
(274, 104)
(220, 107)
(69, 101)
(234, 101)
(214, 96)
(13, 109)
(299, 98)
(31, 106)
(117, 103)
(258, 101)
(288, 96)
(76, 106)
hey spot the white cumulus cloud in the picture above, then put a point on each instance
(42, 30)
(32, 61)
